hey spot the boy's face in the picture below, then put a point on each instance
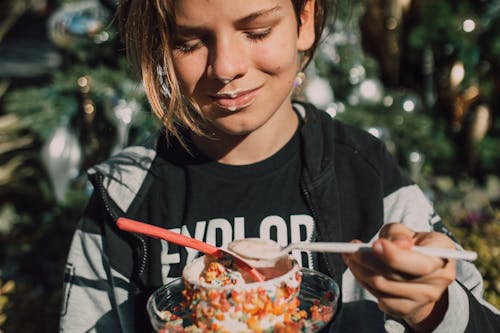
(238, 59)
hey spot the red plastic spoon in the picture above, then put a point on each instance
(126, 224)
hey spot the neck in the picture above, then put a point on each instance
(252, 147)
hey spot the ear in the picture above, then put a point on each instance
(306, 30)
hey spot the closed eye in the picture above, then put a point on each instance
(187, 46)
(191, 45)
(258, 35)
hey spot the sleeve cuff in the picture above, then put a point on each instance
(457, 315)
(454, 320)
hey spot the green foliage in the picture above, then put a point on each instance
(5, 289)
(409, 131)
(470, 212)
(36, 230)
(438, 25)
(441, 21)
(489, 148)
(43, 108)
(37, 243)
(483, 238)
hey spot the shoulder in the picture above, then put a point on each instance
(341, 138)
(137, 155)
(122, 175)
(342, 133)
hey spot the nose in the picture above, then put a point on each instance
(226, 61)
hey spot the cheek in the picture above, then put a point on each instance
(189, 71)
(278, 58)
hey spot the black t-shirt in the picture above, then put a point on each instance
(263, 199)
(225, 202)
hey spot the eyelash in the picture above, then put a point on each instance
(258, 36)
(185, 48)
(254, 37)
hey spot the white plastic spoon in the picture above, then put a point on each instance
(252, 249)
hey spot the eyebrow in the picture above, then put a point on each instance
(241, 21)
(258, 14)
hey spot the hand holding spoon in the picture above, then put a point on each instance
(269, 252)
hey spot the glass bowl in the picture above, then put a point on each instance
(317, 292)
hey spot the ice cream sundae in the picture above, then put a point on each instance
(221, 298)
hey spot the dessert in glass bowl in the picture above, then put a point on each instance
(214, 296)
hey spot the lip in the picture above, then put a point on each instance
(236, 99)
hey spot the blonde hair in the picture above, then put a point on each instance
(147, 28)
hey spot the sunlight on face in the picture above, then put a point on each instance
(237, 59)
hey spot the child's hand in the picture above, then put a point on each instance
(407, 284)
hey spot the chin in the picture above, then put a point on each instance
(239, 123)
(236, 130)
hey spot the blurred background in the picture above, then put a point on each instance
(422, 75)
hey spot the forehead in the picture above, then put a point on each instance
(205, 12)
